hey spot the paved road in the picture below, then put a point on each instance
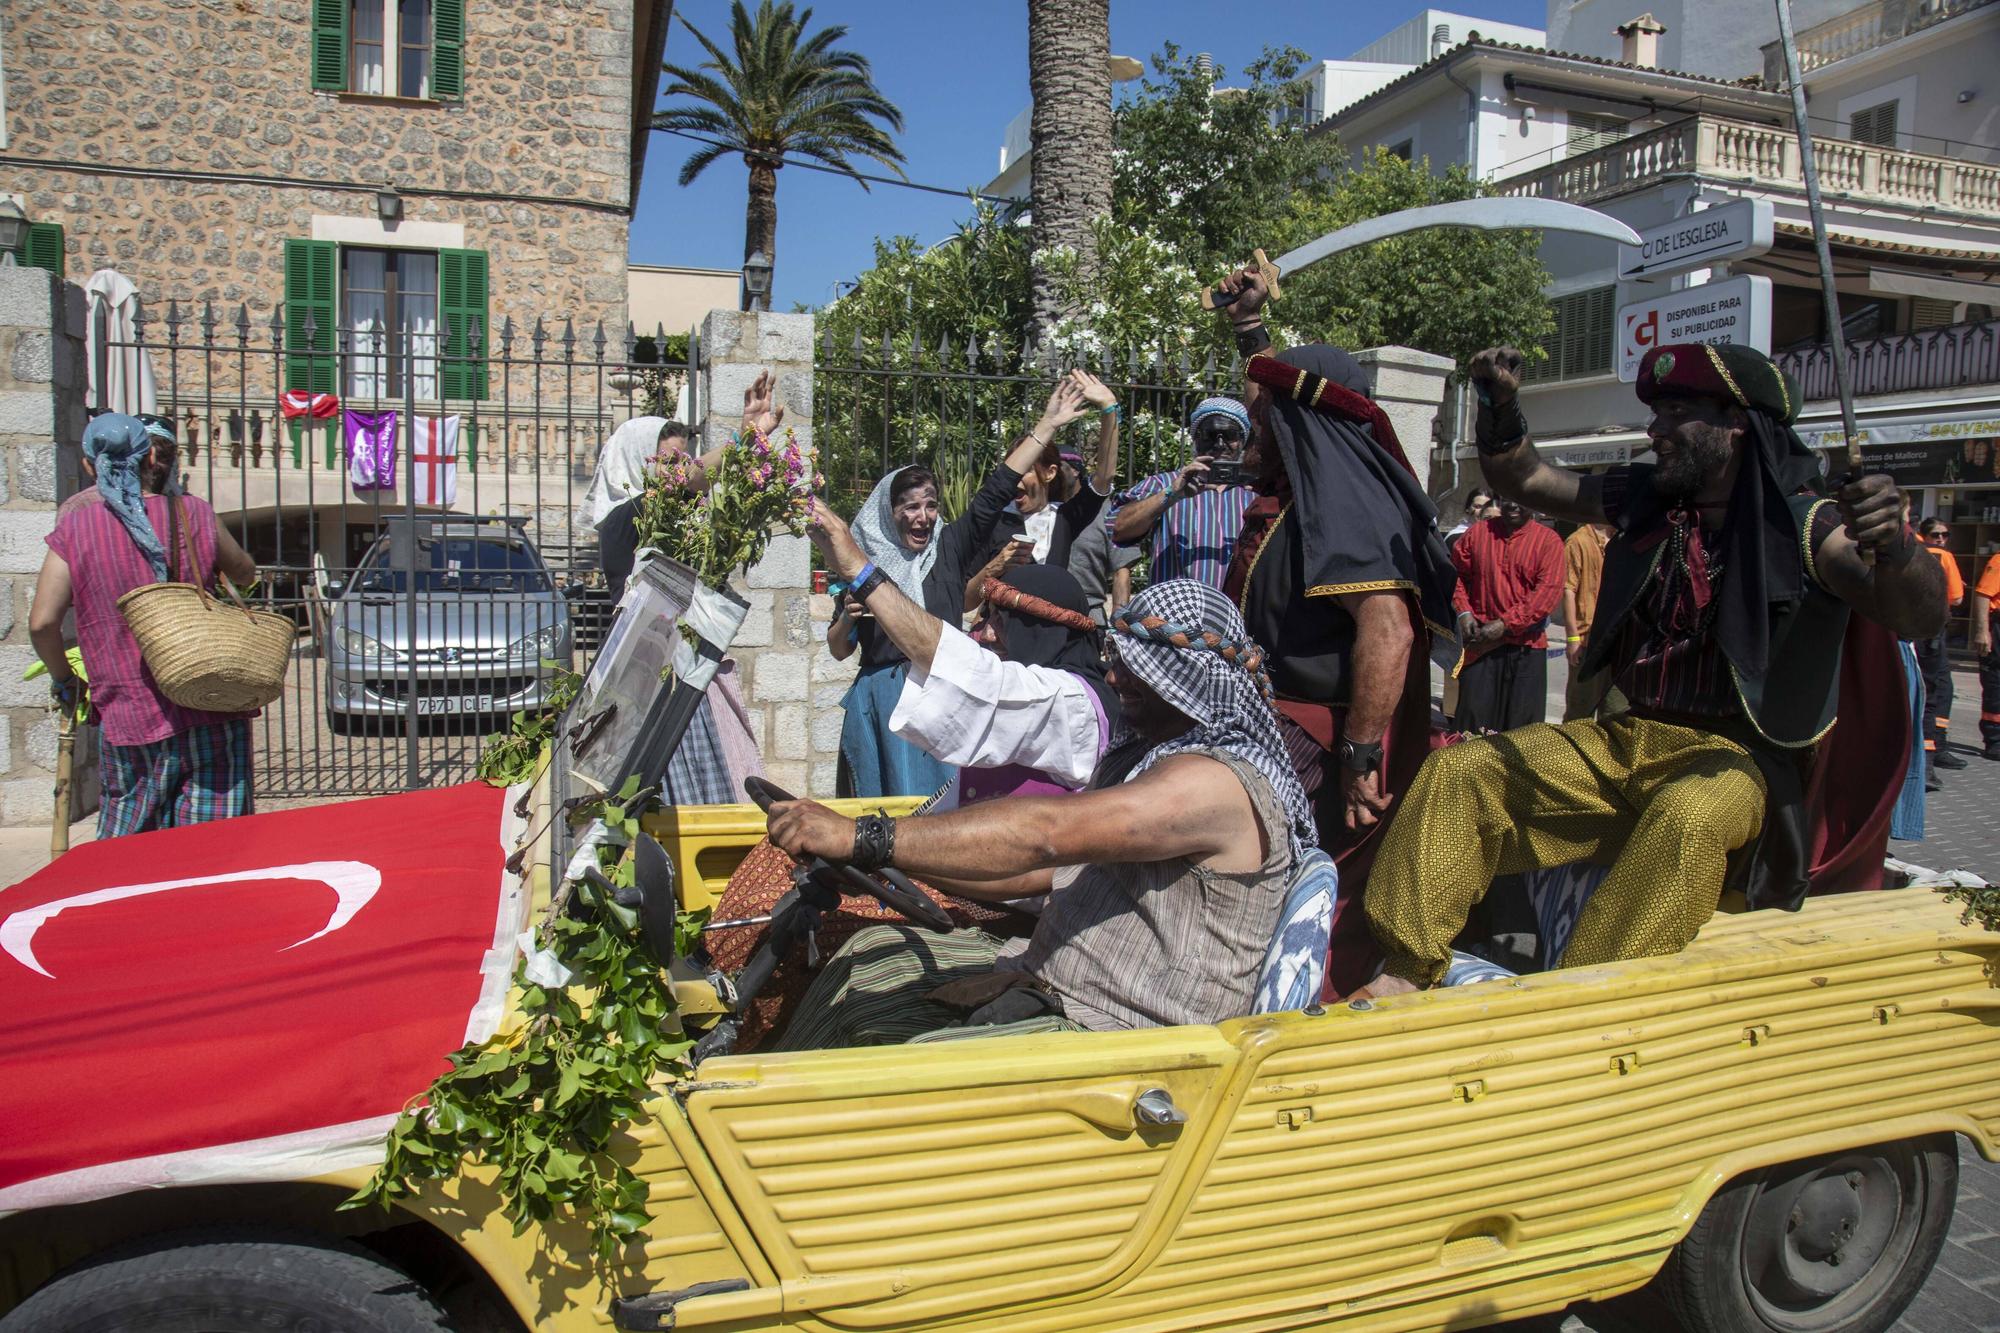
(1962, 828)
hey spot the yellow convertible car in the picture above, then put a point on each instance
(1764, 1127)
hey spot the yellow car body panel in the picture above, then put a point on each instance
(1437, 1160)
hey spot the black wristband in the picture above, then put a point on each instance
(1254, 339)
(874, 842)
(868, 585)
(1497, 429)
(1360, 756)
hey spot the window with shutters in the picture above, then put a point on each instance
(43, 248)
(1581, 345)
(375, 324)
(390, 48)
(1588, 133)
(1875, 124)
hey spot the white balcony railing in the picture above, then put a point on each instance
(1862, 28)
(1768, 156)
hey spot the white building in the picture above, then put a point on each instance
(1906, 120)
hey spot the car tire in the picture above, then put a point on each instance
(1834, 1244)
(340, 724)
(230, 1283)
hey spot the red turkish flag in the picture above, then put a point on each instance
(248, 999)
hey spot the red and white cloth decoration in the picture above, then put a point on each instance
(250, 999)
(434, 450)
(296, 403)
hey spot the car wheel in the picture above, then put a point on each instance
(1835, 1244)
(225, 1283)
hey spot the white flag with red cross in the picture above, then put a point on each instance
(434, 451)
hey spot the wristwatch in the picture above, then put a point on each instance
(1360, 756)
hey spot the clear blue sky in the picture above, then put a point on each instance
(959, 71)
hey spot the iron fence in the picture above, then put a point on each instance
(414, 502)
(956, 405)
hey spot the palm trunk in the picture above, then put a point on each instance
(1069, 52)
(760, 225)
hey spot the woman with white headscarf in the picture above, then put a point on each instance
(613, 498)
(897, 530)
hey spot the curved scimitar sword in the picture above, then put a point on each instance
(1489, 213)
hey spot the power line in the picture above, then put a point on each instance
(851, 175)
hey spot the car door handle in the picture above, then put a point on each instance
(1121, 1110)
(1155, 1106)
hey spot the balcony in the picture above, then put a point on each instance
(1943, 358)
(1761, 155)
(1864, 28)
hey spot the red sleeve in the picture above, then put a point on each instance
(1541, 590)
(1461, 559)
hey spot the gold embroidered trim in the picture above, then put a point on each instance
(1715, 359)
(1751, 717)
(1378, 585)
(1805, 543)
(1243, 598)
(1298, 389)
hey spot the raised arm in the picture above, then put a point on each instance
(761, 415)
(911, 628)
(1507, 456)
(1902, 589)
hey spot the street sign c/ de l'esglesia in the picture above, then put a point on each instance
(1728, 231)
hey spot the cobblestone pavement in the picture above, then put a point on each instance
(1963, 1293)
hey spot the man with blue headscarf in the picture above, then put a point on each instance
(1192, 520)
(1163, 880)
(163, 765)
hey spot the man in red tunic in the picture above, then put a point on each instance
(1510, 576)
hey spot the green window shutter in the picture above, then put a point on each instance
(462, 299)
(309, 290)
(448, 50)
(44, 247)
(329, 45)
(468, 444)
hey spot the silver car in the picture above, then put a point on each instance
(489, 623)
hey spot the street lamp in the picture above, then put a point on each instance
(757, 281)
(13, 231)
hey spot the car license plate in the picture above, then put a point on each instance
(455, 703)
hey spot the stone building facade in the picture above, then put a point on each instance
(184, 142)
(239, 159)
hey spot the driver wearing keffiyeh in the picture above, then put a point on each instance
(1165, 877)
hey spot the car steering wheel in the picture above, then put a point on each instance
(891, 888)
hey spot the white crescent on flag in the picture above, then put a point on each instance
(353, 884)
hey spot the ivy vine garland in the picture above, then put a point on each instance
(540, 1100)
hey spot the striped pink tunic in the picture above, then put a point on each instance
(104, 565)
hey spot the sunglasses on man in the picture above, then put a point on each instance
(1217, 436)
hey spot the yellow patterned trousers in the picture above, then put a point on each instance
(1663, 805)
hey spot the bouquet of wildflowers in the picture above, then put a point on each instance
(758, 485)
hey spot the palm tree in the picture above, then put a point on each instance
(1069, 76)
(781, 94)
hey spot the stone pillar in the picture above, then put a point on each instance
(42, 390)
(1409, 385)
(791, 684)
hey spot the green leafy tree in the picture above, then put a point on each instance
(780, 92)
(1203, 176)
(1448, 291)
(1207, 170)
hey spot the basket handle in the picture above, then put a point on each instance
(208, 598)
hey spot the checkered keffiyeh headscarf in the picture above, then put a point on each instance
(1186, 641)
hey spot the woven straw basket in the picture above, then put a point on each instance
(203, 654)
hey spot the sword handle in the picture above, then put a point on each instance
(1211, 299)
